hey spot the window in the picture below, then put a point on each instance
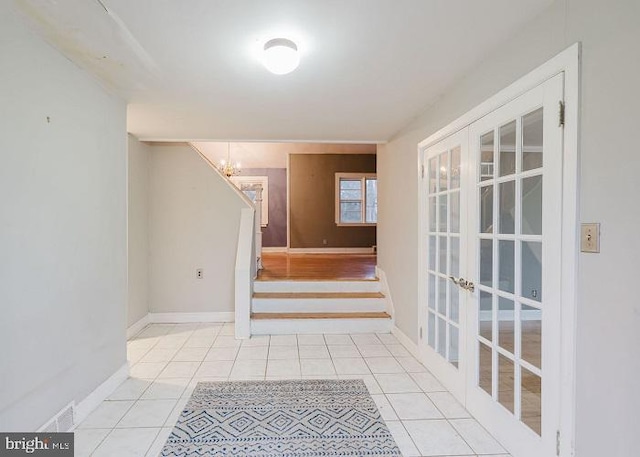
(248, 184)
(356, 199)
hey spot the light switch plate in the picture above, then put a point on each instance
(590, 237)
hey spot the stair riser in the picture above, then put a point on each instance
(315, 305)
(314, 326)
(316, 286)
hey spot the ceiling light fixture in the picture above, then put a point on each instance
(228, 168)
(281, 56)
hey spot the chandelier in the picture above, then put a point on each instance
(227, 167)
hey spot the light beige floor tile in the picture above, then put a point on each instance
(476, 436)
(448, 405)
(289, 367)
(436, 437)
(215, 369)
(351, 366)
(396, 383)
(128, 442)
(373, 350)
(147, 413)
(317, 367)
(381, 365)
(168, 388)
(191, 354)
(413, 406)
(106, 415)
(313, 352)
(131, 389)
(179, 370)
(385, 408)
(86, 440)
(402, 439)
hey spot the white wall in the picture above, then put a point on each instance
(194, 217)
(63, 267)
(138, 230)
(608, 346)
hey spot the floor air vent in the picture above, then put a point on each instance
(61, 422)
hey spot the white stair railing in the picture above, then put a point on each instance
(245, 273)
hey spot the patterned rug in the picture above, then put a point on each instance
(310, 418)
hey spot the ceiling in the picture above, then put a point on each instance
(273, 155)
(190, 69)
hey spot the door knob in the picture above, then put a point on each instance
(463, 283)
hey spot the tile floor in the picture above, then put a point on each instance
(167, 360)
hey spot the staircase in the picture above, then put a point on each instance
(347, 306)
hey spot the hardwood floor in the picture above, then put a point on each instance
(317, 267)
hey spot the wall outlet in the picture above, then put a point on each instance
(590, 237)
(324, 242)
(199, 273)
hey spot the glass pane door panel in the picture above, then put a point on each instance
(506, 382)
(454, 303)
(444, 171)
(432, 252)
(433, 175)
(454, 208)
(454, 259)
(431, 330)
(486, 209)
(486, 263)
(508, 149)
(507, 212)
(442, 213)
(442, 261)
(455, 168)
(532, 270)
(432, 214)
(442, 337)
(485, 368)
(486, 156)
(485, 316)
(506, 324)
(432, 292)
(531, 335)
(453, 344)
(506, 275)
(532, 205)
(442, 296)
(532, 136)
(531, 403)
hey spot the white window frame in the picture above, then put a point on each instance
(353, 176)
(242, 182)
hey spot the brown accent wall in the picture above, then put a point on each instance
(312, 200)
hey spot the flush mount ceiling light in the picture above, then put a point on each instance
(281, 56)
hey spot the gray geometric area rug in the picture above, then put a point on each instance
(297, 418)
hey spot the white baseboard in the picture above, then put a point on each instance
(330, 250)
(101, 393)
(406, 342)
(181, 318)
(138, 326)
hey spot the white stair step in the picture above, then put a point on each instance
(298, 302)
(311, 323)
(316, 286)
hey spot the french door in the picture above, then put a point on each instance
(446, 209)
(493, 267)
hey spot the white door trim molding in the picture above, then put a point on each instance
(567, 62)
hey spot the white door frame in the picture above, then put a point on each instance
(568, 61)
